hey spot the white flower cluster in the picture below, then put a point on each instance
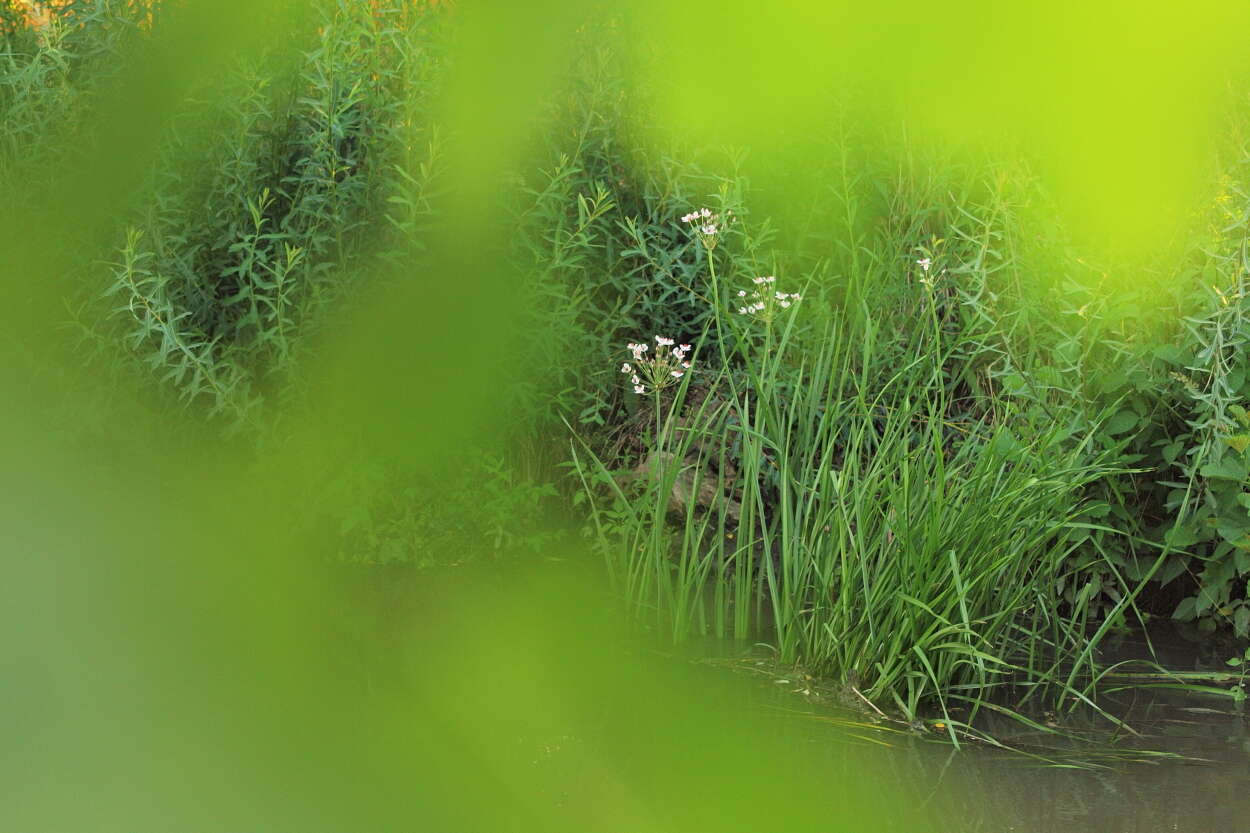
(707, 226)
(659, 371)
(928, 275)
(763, 304)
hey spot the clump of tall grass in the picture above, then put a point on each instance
(854, 515)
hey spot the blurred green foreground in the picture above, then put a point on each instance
(173, 661)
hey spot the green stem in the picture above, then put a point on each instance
(717, 310)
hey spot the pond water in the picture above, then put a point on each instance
(1187, 769)
(1204, 787)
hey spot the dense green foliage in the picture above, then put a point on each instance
(962, 455)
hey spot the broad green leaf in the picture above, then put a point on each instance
(1186, 610)
(1238, 442)
(1171, 568)
(1226, 469)
(1123, 421)
(1241, 621)
(1181, 536)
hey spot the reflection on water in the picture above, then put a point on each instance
(1205, 788)
(1202, 785)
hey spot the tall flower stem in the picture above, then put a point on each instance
(658, 449)
(716, 304)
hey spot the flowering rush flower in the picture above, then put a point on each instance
(762, 304)
(659, 371)
(707, 225)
